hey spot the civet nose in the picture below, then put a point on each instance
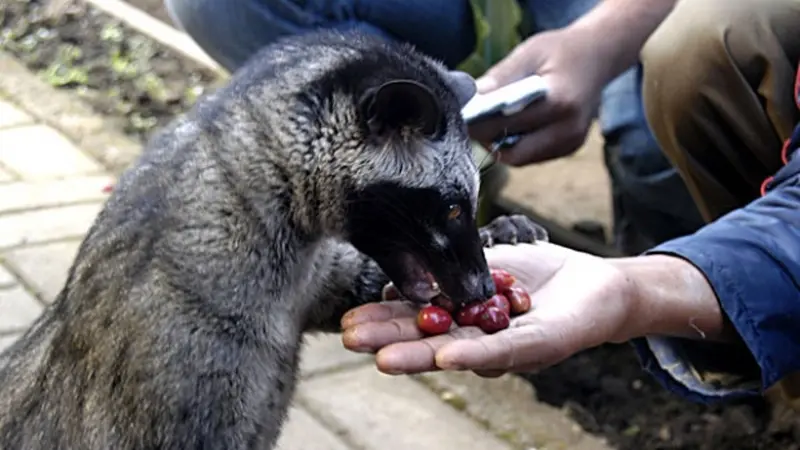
(482, 287)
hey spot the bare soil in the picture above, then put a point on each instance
(125, 74)
(118, 71)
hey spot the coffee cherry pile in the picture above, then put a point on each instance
(490, 316)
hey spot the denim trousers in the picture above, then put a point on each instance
(650, 201)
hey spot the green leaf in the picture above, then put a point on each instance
(496, 30)
(631, 431)
(59, 75)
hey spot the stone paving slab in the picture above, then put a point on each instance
(21, 195)
(38, 152)
(7, 340)
(6, 176)
(6, 278)
(11, 116)
(303, 432)
(44, 267)
(18, 308)
(392, 413)
(39, 226)
(323, 352)
(99, 137)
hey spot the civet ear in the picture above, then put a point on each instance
(463, 86)
(400, 104)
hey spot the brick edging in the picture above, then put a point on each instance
(96, 135)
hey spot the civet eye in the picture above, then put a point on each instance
(454, 213)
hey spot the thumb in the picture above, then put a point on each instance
(519, 63)
(535, 343)
(531, 264)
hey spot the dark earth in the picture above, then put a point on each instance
(119, 72)
(124, 74)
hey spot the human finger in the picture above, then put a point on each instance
(377, 312)
(369, 337)
(554, 141)
(536, 115)
(522, 60)
(530, 344)
(418, 356)
(533, 265)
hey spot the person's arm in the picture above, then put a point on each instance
(745, 265)
(620, 29)
(667, 290)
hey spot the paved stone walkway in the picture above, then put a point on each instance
(50, 191)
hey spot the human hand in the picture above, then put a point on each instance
(556, 125)
(578, 301)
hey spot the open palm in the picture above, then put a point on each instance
(578, 300)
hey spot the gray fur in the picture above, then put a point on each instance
(181, 320)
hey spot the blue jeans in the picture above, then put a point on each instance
(651, 203)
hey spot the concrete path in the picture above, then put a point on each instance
(56, 157)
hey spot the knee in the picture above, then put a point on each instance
(220, 30)
(705, 36)
(679, 54)
(698, 45)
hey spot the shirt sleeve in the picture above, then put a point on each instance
(751, 258)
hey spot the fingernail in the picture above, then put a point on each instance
(485, 84)
(350, 341)
(345, 319)
(351, 319)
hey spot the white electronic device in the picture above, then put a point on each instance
(507, 100)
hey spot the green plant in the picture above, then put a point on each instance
(497, 31)
(497, 25)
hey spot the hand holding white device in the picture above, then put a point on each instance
(505, 101)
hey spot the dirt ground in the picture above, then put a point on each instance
(124, 74)
(120, 73)
(569, 189)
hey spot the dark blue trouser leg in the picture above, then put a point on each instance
(232, 30)
(650, 200)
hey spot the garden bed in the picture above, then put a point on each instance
(115, 69)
